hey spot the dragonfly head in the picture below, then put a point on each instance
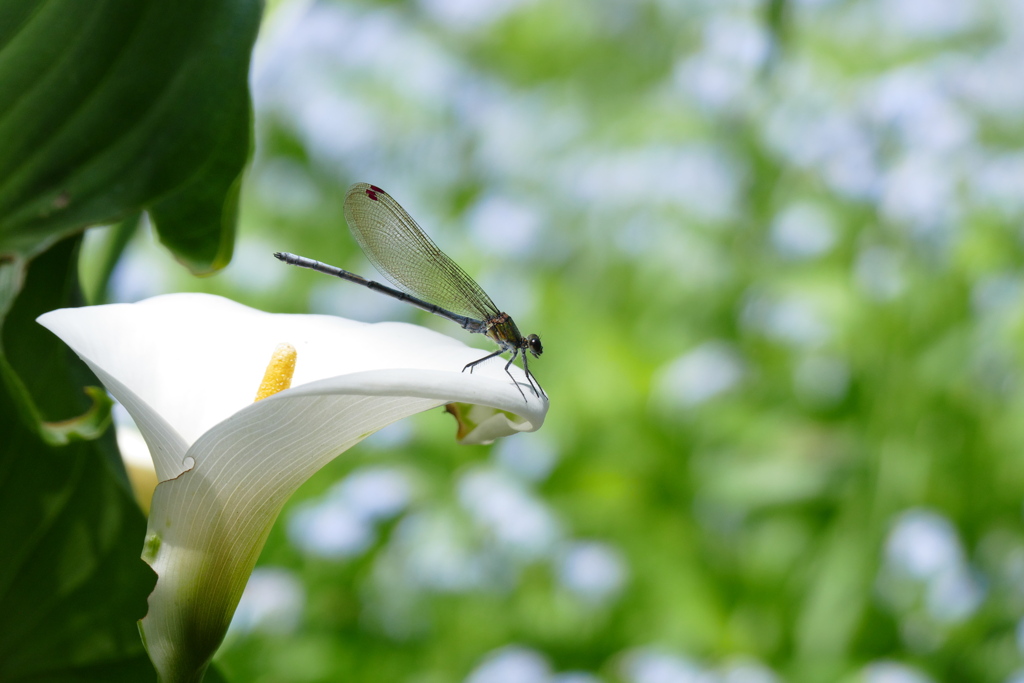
(533, 344)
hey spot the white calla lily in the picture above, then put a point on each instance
(187, 368)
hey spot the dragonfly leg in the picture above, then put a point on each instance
(470, 366)
(534, 384)
(508, 365)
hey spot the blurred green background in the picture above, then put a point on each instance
(774, 252)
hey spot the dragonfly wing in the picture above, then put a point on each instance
(397, 247)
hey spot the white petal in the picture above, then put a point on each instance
(186, 366)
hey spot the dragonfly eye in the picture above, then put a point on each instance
(533, 342)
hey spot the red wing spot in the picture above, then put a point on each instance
(375, 188)
(371, 194)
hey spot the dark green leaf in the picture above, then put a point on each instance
(72, 584)
(113, 241)
(115, 106)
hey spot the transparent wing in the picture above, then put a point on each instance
(402, 252)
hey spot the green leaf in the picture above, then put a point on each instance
(116, 106)
(72, 584)
(97, 271)
(47, 392)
